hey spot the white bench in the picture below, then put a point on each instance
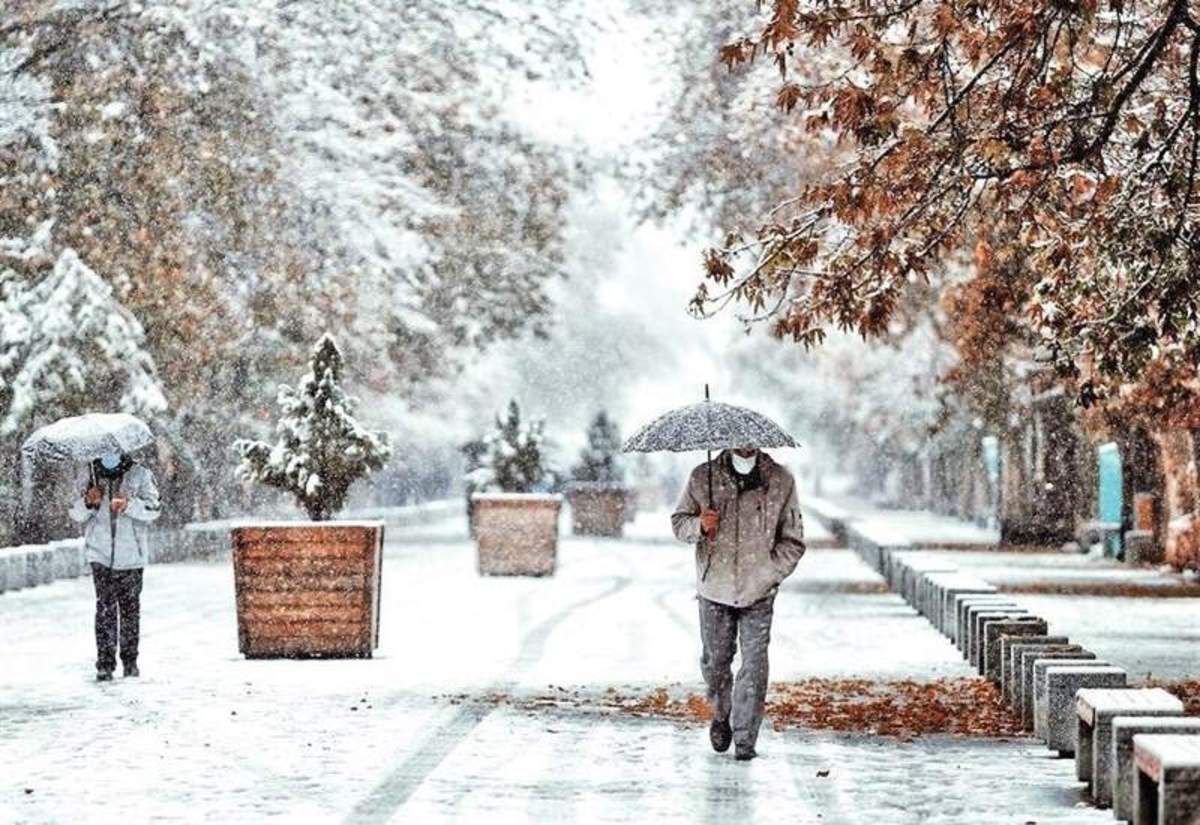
(1026, 686)
(1124, 728)
(994, 633)
(1094, 710)
(1167, 791)
(962, 610)
(1054, 707)
(1010, 663)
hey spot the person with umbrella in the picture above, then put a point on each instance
(742, 513)
(116, 500)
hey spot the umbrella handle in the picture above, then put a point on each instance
(710, 481)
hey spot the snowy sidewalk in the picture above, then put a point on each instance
(206, 735)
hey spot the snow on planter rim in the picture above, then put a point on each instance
(517, 496)
(708, 425)
(305, 523)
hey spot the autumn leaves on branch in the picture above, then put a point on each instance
(1060, 137)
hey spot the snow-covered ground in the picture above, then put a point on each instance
(207, 735)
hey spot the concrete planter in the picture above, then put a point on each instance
(597, 509)
(516, 534)
(308, 589)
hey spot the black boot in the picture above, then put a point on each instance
(103, 675)
(131, 670)
(720, 734)
(744, 753)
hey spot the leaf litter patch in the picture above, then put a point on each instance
(901, 709)
(1188, 691)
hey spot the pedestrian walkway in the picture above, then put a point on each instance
(207, 735)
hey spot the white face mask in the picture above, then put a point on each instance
(743, 466)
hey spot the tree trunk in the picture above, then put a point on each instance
(1143, 474)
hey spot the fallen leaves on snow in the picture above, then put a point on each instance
(903, 709)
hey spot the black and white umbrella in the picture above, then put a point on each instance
(708, 425)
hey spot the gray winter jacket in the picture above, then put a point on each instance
(760, 538)
(129, 547)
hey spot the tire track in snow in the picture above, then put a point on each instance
(394, 790)
(690, 628)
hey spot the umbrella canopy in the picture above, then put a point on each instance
(708, 425)
(87, 437)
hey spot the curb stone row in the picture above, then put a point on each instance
(1134, 747)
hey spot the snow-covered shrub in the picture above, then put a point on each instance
(513, 461)
(322, 449)
(67, 344)
(598, 461)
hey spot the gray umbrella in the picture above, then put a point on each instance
(708, 425)
(81, 438)
(87, 437)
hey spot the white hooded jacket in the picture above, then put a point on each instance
(129, 547)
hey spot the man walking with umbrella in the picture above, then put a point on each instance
(117, 500)
(742, 512)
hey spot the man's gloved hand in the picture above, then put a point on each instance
(710, 520)
(119, 503)
(92, 496)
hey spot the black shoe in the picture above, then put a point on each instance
(130, 670)
(720, 734)
(103, 675)
(744, 753)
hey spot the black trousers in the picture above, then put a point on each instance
(118, 611)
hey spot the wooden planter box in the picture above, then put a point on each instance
(308, 589)
(517, 534)
(597, 509)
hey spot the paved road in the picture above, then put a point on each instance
(207, 735)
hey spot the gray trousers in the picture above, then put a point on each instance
(740, 701)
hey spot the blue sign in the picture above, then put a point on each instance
(1111, 494)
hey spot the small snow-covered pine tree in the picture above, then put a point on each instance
(514, 462)
(322, 449)
(598, 460)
